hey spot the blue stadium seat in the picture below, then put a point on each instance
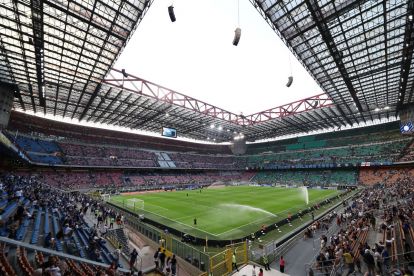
(21, 232)
(35, 234)
(59, 246)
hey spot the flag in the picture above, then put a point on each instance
(407, 127)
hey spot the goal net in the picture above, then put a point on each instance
(106, 197)
(134, 204)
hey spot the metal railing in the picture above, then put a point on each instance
(190, 254)
(51, 252)
(273, 252)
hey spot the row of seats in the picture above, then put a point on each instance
(371, 134)
(375, 176)
(309, 178)
(25, 123)
(379, 147)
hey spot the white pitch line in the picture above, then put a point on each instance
(264, 218)
(146, 203)
(183, 224)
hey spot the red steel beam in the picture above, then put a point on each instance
(293, 108)
(161, 93)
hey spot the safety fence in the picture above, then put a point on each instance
(222, 263)
(274, 249)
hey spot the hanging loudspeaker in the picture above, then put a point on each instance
(237, 34)
(124, 73)
(290, 80)
(171, 13)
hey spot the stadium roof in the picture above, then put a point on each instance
(60, 53)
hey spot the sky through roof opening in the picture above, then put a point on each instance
(195, 56)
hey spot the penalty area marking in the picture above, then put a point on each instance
(284, 211)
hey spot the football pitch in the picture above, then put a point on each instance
(222, 213)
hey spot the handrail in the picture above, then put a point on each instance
(56, 253)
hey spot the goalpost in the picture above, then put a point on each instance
(106, 197)
(134, 204)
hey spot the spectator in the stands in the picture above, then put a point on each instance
(49, 241)
(161, 257)
(156, 258)
(117, 255)
(173, 265)
(133, 258)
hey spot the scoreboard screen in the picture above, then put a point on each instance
(169, 132)
(407, 127)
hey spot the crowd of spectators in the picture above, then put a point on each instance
(102, 155)
(386, 176)
(41, 127)
(408, 154)
(372, 235)
(27, 197)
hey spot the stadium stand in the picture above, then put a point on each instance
(82, 180)
(408, 153)
(34, 213)
(375, 228)
(385, 176)
(40, 127)
(57, 59)
(382, 145)
(307, 178)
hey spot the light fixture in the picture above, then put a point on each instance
(376, 109)
(208, 138)
(387, 107)
(212, 126)
(220, 128)
(228, 130)
(167, 115)
(410, 17)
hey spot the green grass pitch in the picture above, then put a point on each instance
(222, 213)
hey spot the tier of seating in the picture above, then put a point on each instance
(308, 177)
(375, 235)
(383, 132)
(42, 216)
(83, 154)
(40, 126)
(379, 152)
(178, 179)
(80, 180)
(408, 153)
(385, 176)
(381, 144)
(195, 161)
